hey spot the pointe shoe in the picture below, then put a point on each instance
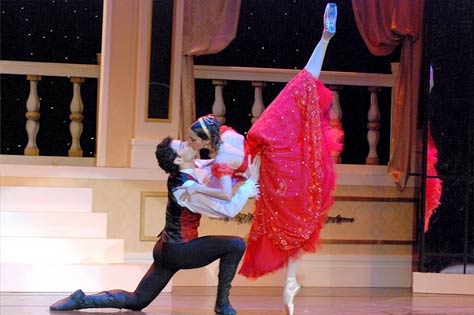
(289, 294)
(330, 17)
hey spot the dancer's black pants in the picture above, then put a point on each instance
(171, 257)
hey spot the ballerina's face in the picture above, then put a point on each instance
(196, 142)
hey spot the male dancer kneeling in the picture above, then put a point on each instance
(179, 246)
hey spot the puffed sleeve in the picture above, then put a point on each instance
(221, 169)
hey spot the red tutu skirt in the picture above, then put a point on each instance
(297, 177)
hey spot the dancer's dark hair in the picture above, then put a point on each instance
(165, 155)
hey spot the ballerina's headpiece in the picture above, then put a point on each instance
(202, 122)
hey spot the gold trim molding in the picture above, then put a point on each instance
(143, 210)
(375, 199)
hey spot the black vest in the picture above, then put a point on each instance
(181, 224)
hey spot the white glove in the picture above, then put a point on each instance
(253, 169)
(251, 188)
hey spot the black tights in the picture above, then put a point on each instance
(171, 257)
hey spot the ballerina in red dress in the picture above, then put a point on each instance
(297, 178)
(295, 143)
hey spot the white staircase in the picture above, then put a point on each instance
(51, 241)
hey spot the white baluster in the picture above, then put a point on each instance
(218, 108)
(76, 117)
(258, 106)
(335, 115)
(32, 115)
(373, 117)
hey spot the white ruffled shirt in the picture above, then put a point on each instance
(214, 207)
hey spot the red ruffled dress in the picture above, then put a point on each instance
(297, 175)
(434, 185)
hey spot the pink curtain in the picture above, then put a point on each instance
(209, 26)
(384, 25)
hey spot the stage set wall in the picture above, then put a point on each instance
(375, 250)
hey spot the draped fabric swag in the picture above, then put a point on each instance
(384, 25)
(209, 27)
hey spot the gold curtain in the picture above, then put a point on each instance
(384, 25)
(209, 26)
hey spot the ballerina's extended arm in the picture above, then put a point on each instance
(225, 190)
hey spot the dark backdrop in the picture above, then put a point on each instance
(449, 49)
(277, 33)
(57, 31)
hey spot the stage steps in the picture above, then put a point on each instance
(48, 277)
(52, 241)
(61, 250)
(53, 224)
(45, 199)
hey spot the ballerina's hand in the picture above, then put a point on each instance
(254, 168)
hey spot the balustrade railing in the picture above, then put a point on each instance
(33, 72)
(258, 77)
(334, 80)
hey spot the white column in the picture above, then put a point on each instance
(373, 117)
(33, 115)
(218, 108)
(258, 106)
(76, 117)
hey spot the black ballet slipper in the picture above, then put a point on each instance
(72, 302)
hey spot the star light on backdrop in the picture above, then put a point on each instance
(283, 34)
(271, 34)
(67, 31)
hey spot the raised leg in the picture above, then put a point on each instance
(315, 62)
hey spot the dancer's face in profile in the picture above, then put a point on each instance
(196, 142)
(183, 150)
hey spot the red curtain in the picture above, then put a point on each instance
(385, 24)
(209, 26)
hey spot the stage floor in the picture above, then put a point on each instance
(266, 301)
